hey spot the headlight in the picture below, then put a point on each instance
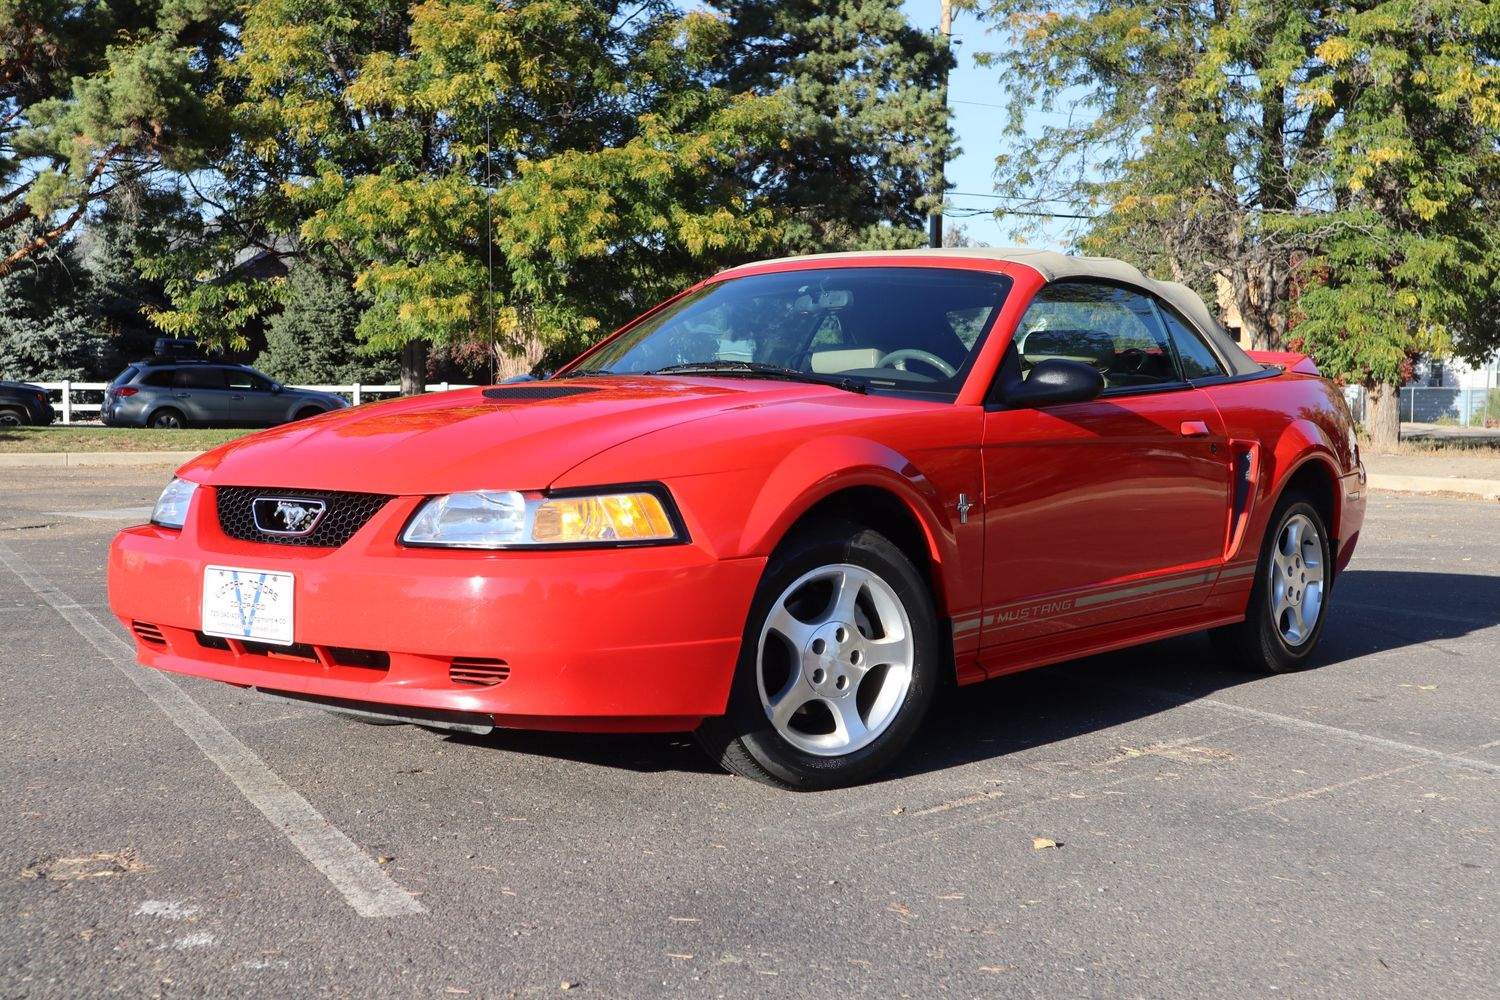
(504, 519)
(172, 505)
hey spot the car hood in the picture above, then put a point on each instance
(523, 436)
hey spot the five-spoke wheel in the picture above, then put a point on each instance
(1285, 615)
(835, 659)
(1296, 591)
(838, 664)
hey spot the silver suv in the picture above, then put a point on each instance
(172, 392)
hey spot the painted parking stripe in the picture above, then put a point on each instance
(363, 884)
(111, 514)
(1408, 750)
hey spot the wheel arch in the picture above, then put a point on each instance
(151, 414)
(864, 482)
(1312, 469)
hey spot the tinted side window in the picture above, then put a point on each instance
(1197, 360)
(158, 378)
(241, 379)
(1114, 329)
(198, 378)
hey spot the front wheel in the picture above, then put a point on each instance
(838, 663)
(1284, 618)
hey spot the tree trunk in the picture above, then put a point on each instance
(414, 368)
(1384, 416)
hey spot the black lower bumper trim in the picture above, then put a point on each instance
(438, 718)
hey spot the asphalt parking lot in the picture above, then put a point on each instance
(1332, 833)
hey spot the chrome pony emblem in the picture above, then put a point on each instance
(277, 516)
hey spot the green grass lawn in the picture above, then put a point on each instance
(84, 438)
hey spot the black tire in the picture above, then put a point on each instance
(168, 419)
(1260, 643)
(12, 417)
(308, 411)
(746, 742)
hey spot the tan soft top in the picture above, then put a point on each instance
(1054, 266)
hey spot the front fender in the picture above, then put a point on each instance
(817, 469)
(1303, 443)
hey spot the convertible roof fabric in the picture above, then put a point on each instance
(1054, 266)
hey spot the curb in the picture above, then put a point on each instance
(95, 459)
(1489, 489)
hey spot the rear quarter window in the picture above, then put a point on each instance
(124, 377)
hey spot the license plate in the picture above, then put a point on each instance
(248, 604)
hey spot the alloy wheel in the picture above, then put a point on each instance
(1297, 579)
(835, 660)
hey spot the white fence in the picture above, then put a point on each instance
(73, 399)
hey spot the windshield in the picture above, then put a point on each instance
(909, 328)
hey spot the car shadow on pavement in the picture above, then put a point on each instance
(1371, 612)
(647, 753)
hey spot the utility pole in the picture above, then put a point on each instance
(935, 221)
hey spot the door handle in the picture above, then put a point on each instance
(236, 397)
(183, 395)
(1194, 429)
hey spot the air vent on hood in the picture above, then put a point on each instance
(527, 393)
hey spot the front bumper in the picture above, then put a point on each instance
(612, 639)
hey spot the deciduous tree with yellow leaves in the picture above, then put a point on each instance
(1337, 163)
(539, 169)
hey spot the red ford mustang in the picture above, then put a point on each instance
(781, 510)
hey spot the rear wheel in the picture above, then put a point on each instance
(168, 420)
(12, 417)
(838, 663)
(1284, 618)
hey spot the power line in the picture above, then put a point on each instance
(972, 211)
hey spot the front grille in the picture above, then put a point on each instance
(339, 656)
(480, 671)
(346, 514)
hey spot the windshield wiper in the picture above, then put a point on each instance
(755, 369)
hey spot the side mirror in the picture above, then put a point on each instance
(1056, 380)
(277, 387)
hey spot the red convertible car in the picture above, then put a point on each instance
(781, 510)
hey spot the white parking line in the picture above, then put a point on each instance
(1409, 750)
(111, 514)
(363, 884)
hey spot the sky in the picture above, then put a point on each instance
(976, 96)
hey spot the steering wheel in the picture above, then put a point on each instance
(1133, 359)
(898, 360)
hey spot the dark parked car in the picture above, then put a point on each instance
(22, 404)
(172, 392)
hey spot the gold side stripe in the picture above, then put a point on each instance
(1122, 594)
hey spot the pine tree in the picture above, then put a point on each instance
(93, 95)
(312, 341)
(45, 334)
(855, 167)
(136, 223)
